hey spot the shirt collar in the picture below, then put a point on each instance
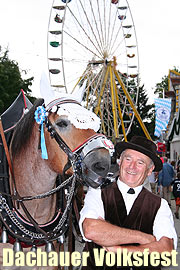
(124, 187)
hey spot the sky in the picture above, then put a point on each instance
(24, 26)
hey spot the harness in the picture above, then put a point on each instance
(29, 232)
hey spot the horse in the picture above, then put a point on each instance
(57, 141)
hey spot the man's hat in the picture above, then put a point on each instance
(143, 145)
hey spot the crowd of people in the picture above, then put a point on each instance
(166, 183)
(125, 214)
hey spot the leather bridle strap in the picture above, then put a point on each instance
(8, 159)
(6, 148)
(12, 173)
(59, 140)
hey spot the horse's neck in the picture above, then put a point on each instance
(33, 176)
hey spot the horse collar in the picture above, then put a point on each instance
(25, 231)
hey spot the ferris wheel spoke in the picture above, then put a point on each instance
(109, 25)
(85, 32)
(95, 21)
(68, 29)
(105, 24)
(93, 52)
(90, 25)
(100, 22)
(74, 43)
(115, 39)
(81, 52)
(113, 29)
(122, 18)
(74, 78)
(117, 48)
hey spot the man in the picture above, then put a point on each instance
(165, 179)
(125, 214)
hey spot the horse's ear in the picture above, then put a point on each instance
(46, 90)
(79, 92)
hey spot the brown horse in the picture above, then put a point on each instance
(35, 218)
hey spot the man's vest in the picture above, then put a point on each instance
(141, 218)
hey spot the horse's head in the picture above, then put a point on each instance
(74, 129)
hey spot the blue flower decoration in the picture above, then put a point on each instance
(40, 115)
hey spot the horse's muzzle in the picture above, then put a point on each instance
(95, 159)
(95, 167)
(94, 171)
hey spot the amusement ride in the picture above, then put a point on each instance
(93, 43)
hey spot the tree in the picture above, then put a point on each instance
(162, 86)
(11, 81)
(146, 112)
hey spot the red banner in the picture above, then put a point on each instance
(161, 147)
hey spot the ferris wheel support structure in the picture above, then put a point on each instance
(116, 109)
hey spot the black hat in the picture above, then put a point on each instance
(143, 145)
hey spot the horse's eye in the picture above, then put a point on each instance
(62, 123)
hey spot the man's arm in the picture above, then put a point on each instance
(105, 234)
(164, 244)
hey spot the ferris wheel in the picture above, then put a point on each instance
(94, 41)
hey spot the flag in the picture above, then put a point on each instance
(163, 111)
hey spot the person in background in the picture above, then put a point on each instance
(178, 166)
(173, 163)
(165, 178)
(176, 193)
(125, 214)
(152, 182)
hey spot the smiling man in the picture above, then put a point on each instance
(126, 215)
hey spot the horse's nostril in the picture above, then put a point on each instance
(99, 167)
(98, 162)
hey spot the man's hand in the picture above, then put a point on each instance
(146, 239)
(164, 244)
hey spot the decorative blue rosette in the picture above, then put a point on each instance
(40, 116)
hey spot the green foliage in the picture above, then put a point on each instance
(11, 81)
(162, 86)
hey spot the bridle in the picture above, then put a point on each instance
(77, 157)
(29, 232)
